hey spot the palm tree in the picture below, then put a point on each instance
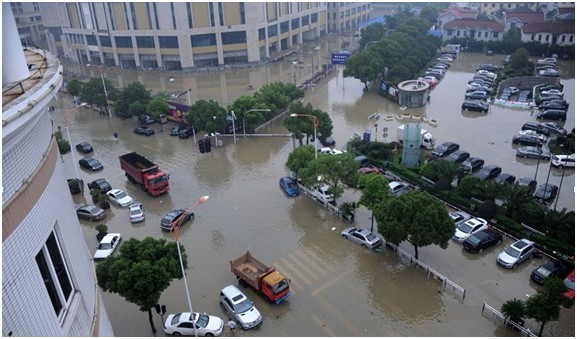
(446, 171)
(514, 310)
(488, 191)
(559, 222)
(513, 197)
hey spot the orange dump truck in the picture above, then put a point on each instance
(263, 278)
(140, 170)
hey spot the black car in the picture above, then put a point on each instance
(458, 156)
(535, 126)
(551, 268)
(100, 184)
(476, 95)
(546, 193)
(145, 119)
(481, 240)
(175, 129)
(488, 172)
(553, 114)
(506, 178)
(472, 165)
(561, 102)
(84, 147)
(143, 130)
(548, 87)
(527, 140)
(529, 183)
(90, 163)
(175, 215)
(479, 106)
(445, 149)
(185, 133)
(553, 105)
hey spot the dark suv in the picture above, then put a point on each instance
(100, 184)
(553, 114)
(445, 149)
(185, 132)
(535, 126)
(488, 172)
(145, 119)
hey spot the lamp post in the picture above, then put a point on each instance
(560, 185)
(252, 110)
(315, 121)
(233, 126)
(65, 116)
(104, 87)
(174, 226)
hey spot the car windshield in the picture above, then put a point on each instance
(244, 306)
(120, 195)
(281, 286)
(91, 161)
(473, 240)
(512, 252)
(202, 320)
(159, 180)
(370, 237)
(570, 284)
(543, 271)
(104, 246)
(465, 227)
(290, 185)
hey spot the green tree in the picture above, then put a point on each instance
(136, 108)
(300, 158)
(208, 116)
(304, 126)
(74, 87)
(488, 191)
(93, 93)
(243, 105)
(560, 225)
(63, 144)
(514, 310)
(417, 218)
(430, 11)
(545, 306)
(467, 185)
(514, 196)
(375, 189)
(519, 59)
(446, 171)
(372, 32)
(133, 93)
(157, 106)
(141, 271)
(365, 66)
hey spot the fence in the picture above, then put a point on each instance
(448, 285)
(492, 313)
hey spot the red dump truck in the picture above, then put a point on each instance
(140, 170)
(263, 278)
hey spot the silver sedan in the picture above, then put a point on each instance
(362, 236)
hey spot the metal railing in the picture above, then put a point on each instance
(492, 313)
(33, 75)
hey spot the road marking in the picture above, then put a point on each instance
(292, 268)
(308, 259)
(340, 319)
(323, 326)
(304, 267)
(293, 282)
(330, 282)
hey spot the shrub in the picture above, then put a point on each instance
(63, 144)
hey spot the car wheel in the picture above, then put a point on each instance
(209, 334)
(344, 236)
(480, 250)
(191, 216)
(364, 246)
(498, 242)
(514, 265)
(466, 109)
(176, 334)
(560, 166)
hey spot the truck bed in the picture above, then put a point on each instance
(249, 268)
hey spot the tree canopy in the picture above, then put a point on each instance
(304, 125)
(74, 87)
(93, 92)
(545, 306)
(375, 190)
(157, 106)
(135, 95)
(207, 115)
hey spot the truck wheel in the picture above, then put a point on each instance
(242, 283)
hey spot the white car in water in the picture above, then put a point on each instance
(107, 245)
(136, 212)
(468, 227)
(181, 324)
(119, 197)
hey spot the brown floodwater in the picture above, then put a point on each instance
(339, 289)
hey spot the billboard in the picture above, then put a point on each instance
(340, 57)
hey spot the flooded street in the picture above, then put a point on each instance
(338, 289)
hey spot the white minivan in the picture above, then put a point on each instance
(239, 307)
(561, 161)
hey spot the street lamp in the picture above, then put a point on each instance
(315, 121)
(233, 126)
(65, 116)
(104, 87)
(252, 110)
(174, 226)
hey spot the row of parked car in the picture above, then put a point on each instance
(547, 67)
(479, 88)
(552, 105)
(437, 70)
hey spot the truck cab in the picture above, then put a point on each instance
(274, 285)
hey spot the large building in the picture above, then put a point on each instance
(49, 284)
(29, 22)
(185, 35)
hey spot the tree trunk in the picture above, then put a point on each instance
(416, 252)
(542, 327)
(150, 320)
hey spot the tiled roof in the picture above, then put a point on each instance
(475, 25)
(462, 13)
(525, 17)
(549, 27)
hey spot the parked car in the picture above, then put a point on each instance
(532, 133)
(551, 268)
(143, 130)
(185, 132)
(181, 324)
(398, 188)
(445, 149)
(556, 105)
(553, 114)
(488, 172)
(145, 119)
(330, 151)
(545, 60)
(119, 197)
(553, 91)
(84, 147)
(289, 186)
(173, 217)
(549, 73)
(482, 240)
(239, 307)
(479, 106)
(526, 140)
(533, 152)
(505, 178)
(570, 283)
(529, 183)
(90, 163)
(100, 184)
(361, 236)
(136, 212)
(107, 245)
(459, 216)
(90, 212)
(468, 227)
(561, 161)
(459, 156)
(546, 193)
(472, 165)
(176, 129)
(477, 95)
(535, 126)
(516, 253)
(561, 102)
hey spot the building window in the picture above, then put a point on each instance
(91, 40)
(284, 27)
(546, 37)
(295, 23)
(211, 12)
(105, 41)
(220, 14)
(189, 13)
(479, 34)
(449, 32)
(272, 31)
(155, 14)
(148, 14)
(36, 7)
(495, 35)
(133, 15)
(242, 14)
(562, 38)
(486, 34)
(533, 36)
(571, 38)
(111, 16)
(168, 42)
(458, 33)
(314, 17)
(145, 42)
(305, 20)
(173, 16)
(201, 40)
(55, 275)
(539, 37)
(230, 38)
(261, 34)
(123, 41)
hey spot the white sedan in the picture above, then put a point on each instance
(136, 212)
(552, 92)
(533, 134)
(107, 245)
(471, 226)
(181, 324)
(119, 197)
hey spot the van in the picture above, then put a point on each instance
(561, 161)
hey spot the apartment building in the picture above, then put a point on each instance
(492, 8)
(345, 17)
(49, 284)
(29, 22)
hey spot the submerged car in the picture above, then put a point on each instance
(529, 183)
(361, 236)
(546, 193)
(107, 245)
(239, 307)
(179, 215)
(119, 197)
(181, 324)
(482, 240)
(479, 106)
(526, 140)
(445, 149)
(472, 165)
(84, 147)
(551, 268)
(136, 212)
(90, 163)
(488, 172)
(90, 212)
(289, 186)
(533, 152)
(143, 130)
